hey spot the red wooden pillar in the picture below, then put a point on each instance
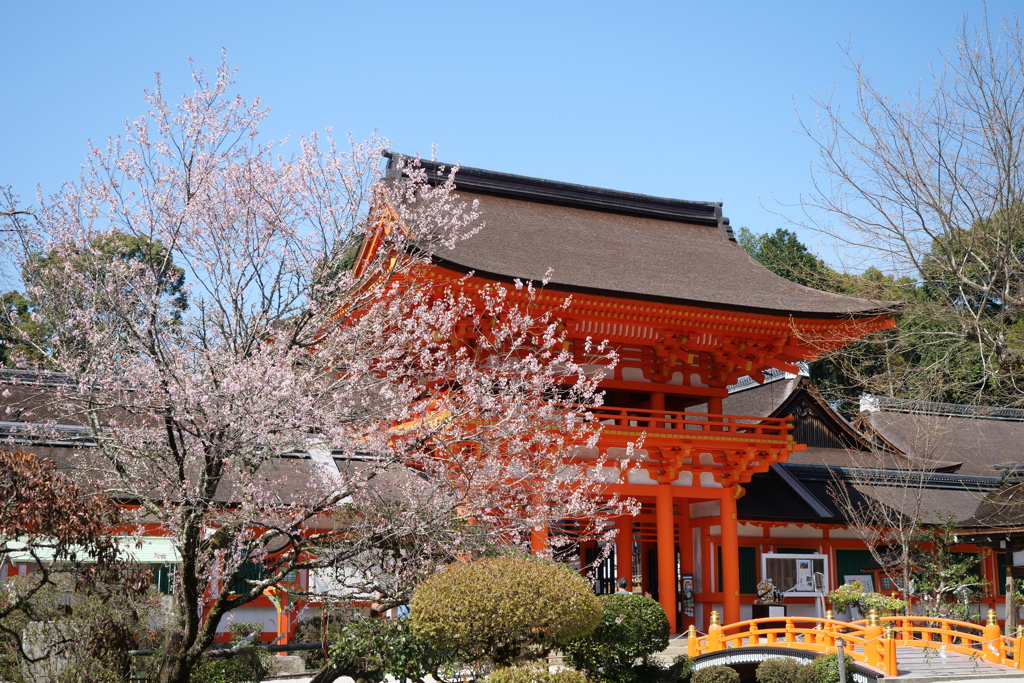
(539, 540)
(715, 408)
(730, 558)
(658, 405)
(539, 533)
(624, 550)
(279, 598)
(666, 554)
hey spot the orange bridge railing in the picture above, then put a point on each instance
(871, 642)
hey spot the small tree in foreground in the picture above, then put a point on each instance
(632, 628)
(504, 609)
(852, 594)
(887, 507)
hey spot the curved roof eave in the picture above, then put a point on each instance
(883, 308)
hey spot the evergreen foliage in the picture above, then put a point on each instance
(781, 670)
(632, 628)
(251, 665)
(825, 669)
(505, 609)
(371, 649)
(535, 674)
(715, 674)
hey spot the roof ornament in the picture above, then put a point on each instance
(869, 404)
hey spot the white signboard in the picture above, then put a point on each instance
(794, 573)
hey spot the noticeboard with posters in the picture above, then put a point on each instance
(795, 573)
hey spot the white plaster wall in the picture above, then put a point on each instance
(640, 476)
(750, 531)
(634, 375)
(685, 479)
(844, 534)
(707, 480)
(793, 531)
(794, 609)
(264, 615)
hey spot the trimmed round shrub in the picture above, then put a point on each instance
(825, 669)
(715, 674)
(535, 674)
(506, 609)
(781, 670)
(632, 628)
(654, 672)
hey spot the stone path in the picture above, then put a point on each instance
(924, 665)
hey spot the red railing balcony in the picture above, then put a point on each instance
(701, 425)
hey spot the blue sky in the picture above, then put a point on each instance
(693, 100)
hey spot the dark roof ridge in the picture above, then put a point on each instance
(885, 477)
(43, 378)
(872, 404)
(562, 193)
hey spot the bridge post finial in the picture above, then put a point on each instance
(692, 643)
(714, 633)
(889, 652)
(828, 615)
(992, 636)
(874, 645)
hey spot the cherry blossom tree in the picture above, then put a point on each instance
(299, 413)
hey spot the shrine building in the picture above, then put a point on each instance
(689, 314)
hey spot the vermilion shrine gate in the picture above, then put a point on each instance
(689, 313)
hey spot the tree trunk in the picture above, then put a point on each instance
(325, 675)
(173, 670)
(174, 663)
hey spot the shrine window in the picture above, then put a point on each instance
(748, 569)
(1001, 573)
(850, 565)
(163, 578)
